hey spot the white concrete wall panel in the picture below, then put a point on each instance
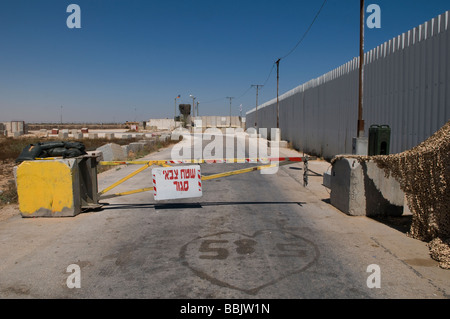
(406, 86)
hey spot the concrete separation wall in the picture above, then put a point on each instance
(161, 124)
(218, 121)
(406, 85)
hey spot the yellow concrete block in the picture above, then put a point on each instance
(45, 188)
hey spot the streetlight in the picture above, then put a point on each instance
(193, 103)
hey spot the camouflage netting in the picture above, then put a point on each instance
(424, 176)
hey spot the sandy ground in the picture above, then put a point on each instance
(7, 176)
(9, 211)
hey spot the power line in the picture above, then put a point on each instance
(222, 98)
(289, 53)
(270, 73)
(278, 61)
(244, 93)
(306, 32)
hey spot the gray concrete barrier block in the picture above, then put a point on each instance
(252, 132)
(78, 136)
(63, 135)
(148, 141)
(364, 190)
(164, 138)
(130, 149)
(275, 135)
(112, 152)
(136, 147)
(278, 144)
(109, 136)
(93, 135)
(326, 179)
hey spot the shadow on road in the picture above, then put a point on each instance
(400, 223)
(190, 205)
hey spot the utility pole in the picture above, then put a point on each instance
(61, 113)
(278, 85)
(361, 71)
(256, 113)
(230, 107)
(197, 107)
(175, 114)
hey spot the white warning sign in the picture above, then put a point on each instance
(177, 182)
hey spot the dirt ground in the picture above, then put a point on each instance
(9, 211)
(7, 176)
(6, 173)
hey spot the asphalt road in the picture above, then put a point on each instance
(250, 236)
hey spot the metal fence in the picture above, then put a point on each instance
(406, 86)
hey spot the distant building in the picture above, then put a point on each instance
(14, 128)
(134, 126)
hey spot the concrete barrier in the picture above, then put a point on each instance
(112, 152)
(63, 135)
(56, 188)
(362, 189)
(164, 137)
(148, 141)
(132, 148)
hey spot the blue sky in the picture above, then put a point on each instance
(130, 59)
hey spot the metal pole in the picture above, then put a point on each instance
(256, 113)
(361, 71)
(230, 107)
(175, 114)
(278, 85)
